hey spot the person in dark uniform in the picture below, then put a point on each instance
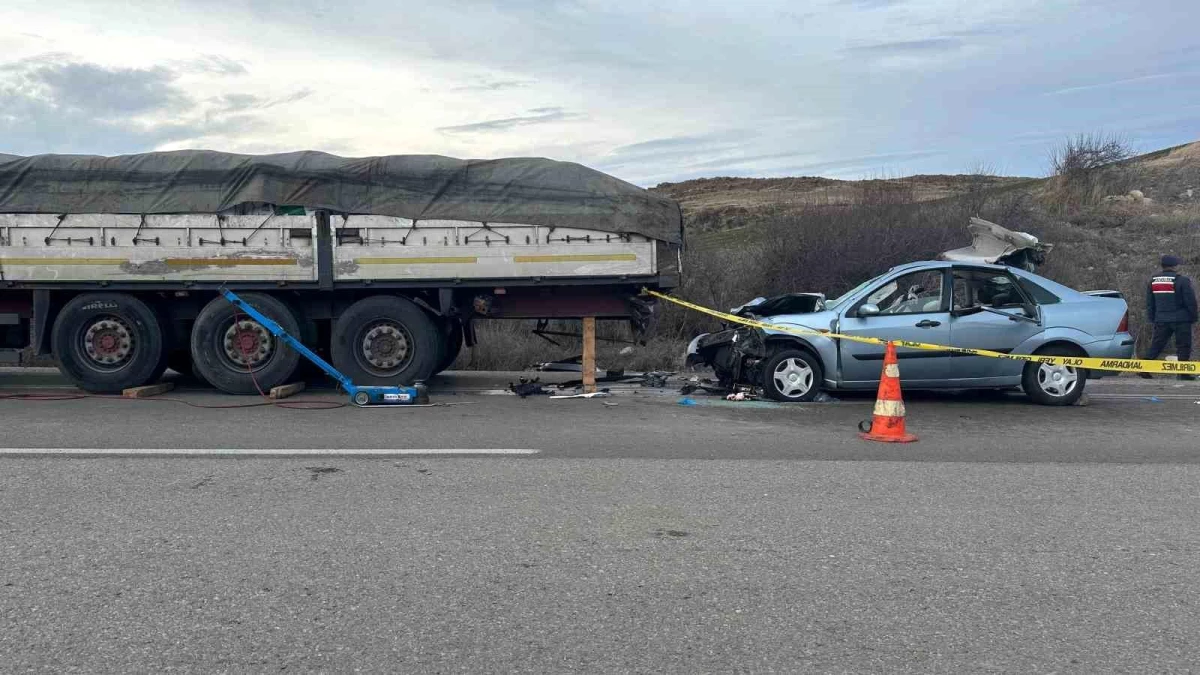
(1171, 306)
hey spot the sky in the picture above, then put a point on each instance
(648, 90)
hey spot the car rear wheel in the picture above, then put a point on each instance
(1048, 384)
(792, 375)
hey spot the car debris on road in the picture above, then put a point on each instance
(526, 388)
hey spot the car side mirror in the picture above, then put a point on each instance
(868, 310)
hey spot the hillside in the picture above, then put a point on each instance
(715, 204)
(711, 204)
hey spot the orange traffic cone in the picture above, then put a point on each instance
(888, 423)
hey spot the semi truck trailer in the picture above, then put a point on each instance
(113, 265)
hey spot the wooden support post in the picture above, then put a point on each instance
(286, 390)
(589, 354)
(148, 390)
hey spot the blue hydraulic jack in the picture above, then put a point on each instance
(360, 396)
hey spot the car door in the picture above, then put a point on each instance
(912, 306)
(1002, 329)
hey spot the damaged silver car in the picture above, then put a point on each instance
(972, 304)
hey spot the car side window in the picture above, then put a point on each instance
(913, 293)
(985, 289)
(1040, 295)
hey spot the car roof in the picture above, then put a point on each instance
(943, 264)
(1051, 285)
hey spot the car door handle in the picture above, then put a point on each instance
(927, 323)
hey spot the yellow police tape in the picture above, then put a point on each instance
(1119, 365)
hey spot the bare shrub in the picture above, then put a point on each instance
(884, 191)
(1087, 167)
(978, 188)
(1084, 153)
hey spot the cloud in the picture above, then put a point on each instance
(212, 64)
(872, 4)
(658, 145)
(92, 89)
(492, 85)
(907, 47)
(537, 116)
(52, 103)
(1118, 83)
(239, 102)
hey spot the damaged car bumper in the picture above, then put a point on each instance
(728, 352)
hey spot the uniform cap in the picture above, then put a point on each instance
(1171, 261)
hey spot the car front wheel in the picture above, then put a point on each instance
(1053, 385)
(792, 375)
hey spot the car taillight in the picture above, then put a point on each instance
(1123, 327)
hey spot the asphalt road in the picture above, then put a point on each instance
(641, 537)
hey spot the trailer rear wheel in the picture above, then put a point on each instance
(385, 340)
(106, 342)
(235, 353)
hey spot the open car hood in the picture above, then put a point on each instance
(788, 303)
(995, 245)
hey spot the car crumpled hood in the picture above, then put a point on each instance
(788, 303)
(809, 321)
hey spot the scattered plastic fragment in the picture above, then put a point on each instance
(687, 401)
(528, 387)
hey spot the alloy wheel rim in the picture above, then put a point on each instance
(793, 377)
(1057, 381)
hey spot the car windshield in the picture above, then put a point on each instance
(833, 304)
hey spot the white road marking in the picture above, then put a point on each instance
(256, 452)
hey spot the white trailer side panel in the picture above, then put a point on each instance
(117, 248)
(182, 248)
(381, 248)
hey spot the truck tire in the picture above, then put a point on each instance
(385, 340)
(106, 342)
(235, 353)
(451, 346)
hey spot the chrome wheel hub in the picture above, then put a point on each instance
(248, 344)
(109, 342)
